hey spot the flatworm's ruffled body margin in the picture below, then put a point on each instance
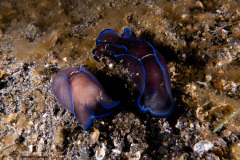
(81, 93)
(145, 66)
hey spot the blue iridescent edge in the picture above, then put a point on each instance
(92, 113)
(145, 110)
(106, 107)
(128, 33)
(104, 32)
(166, 114)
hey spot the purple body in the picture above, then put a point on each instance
(81, 93)
(145, 66)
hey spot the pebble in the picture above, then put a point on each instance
(202, 147)
(100, 153)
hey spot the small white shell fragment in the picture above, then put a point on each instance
(100, 153)
(30, 148)
(116, 151)
(94, 136)
(208, 77)
(136, 156)
(110, 65)
(202, 147)
(65, 59)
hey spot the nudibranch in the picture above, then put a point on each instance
(81, 93)
(145, 66)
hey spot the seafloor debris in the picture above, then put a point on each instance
(40, 38)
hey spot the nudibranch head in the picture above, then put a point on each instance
(145, 66)
(81, 93)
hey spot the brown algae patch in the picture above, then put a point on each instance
(70, 36)
(15, 124)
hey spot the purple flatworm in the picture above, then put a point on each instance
(145, 66)
(80, 92)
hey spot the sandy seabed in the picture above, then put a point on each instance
(200, 41)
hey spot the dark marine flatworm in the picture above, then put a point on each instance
(145, 65)
(81, 93)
